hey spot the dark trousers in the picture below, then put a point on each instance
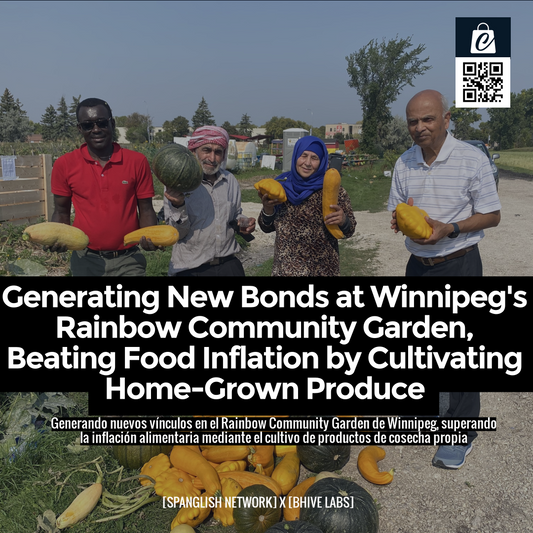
(464, 404)
(231, 267)
(467, 265)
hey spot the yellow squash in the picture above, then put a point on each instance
(175, 483)
(367, 462)
(245, 479)
(193, 462)
(154, 467)
(161, 235)
(273, 188)
(411, 222)
(330, 196)
(218, 454)
(193, 515)
(50, 233)
(291, 511)
(81, 506)
(287, 472)
(223, 511)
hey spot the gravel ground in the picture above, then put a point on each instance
(493, 492)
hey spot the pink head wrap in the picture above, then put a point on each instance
(210, 135)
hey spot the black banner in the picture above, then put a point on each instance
(371, 346)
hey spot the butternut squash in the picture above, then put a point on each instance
(273, 188)
(287, 472)
(192, 462)
(411, 222)
(368, 466)
(291, 511)
(50, 233)
(161, 235)
(81, 506)
(330, 196)
(245, 479)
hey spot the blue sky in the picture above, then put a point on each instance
(261, 58)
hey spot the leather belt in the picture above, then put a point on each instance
(432, 261)
(112, 254)
(219, 260)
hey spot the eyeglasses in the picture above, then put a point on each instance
(102, 124)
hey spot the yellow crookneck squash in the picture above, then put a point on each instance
(330, 196)
(411, 222)
(367, 462)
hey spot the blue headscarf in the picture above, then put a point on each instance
(296, 187)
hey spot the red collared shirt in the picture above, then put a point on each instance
(104, 198)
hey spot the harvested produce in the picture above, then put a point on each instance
(50, 233)
(287, 472)
(291, 511)
(154, 467)
(193, 515)
(330, 196)
(193, 462)
(81, 506)
(177, 168)
(257, 518)
(160, 235)
(411, 222)
(360, 516)
(223, 512)
(136, 456)
(273, 188)
(367, 462)
(294, 526)
(175, 483)
(245, 480)
(328, 457)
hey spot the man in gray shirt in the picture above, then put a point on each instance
(204, 217)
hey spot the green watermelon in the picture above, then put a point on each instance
(177, 168)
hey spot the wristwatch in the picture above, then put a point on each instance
(455, 231)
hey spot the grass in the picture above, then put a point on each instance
(518, 160)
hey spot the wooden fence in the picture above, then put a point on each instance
(27, 198)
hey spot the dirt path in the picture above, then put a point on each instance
(505, 250)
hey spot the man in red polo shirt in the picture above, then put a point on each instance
(111, 189)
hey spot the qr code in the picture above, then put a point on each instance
(482, 83)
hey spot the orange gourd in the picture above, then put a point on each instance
(287, 472)
(367, 462)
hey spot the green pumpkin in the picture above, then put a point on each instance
(136, 456)
(324, 458)
(360, 515)
(294, 526)
(177, 168)
(256, 518)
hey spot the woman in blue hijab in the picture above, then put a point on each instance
(304, 246)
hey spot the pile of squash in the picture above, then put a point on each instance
(208, 474)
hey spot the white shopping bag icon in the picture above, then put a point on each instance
(483, 41)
